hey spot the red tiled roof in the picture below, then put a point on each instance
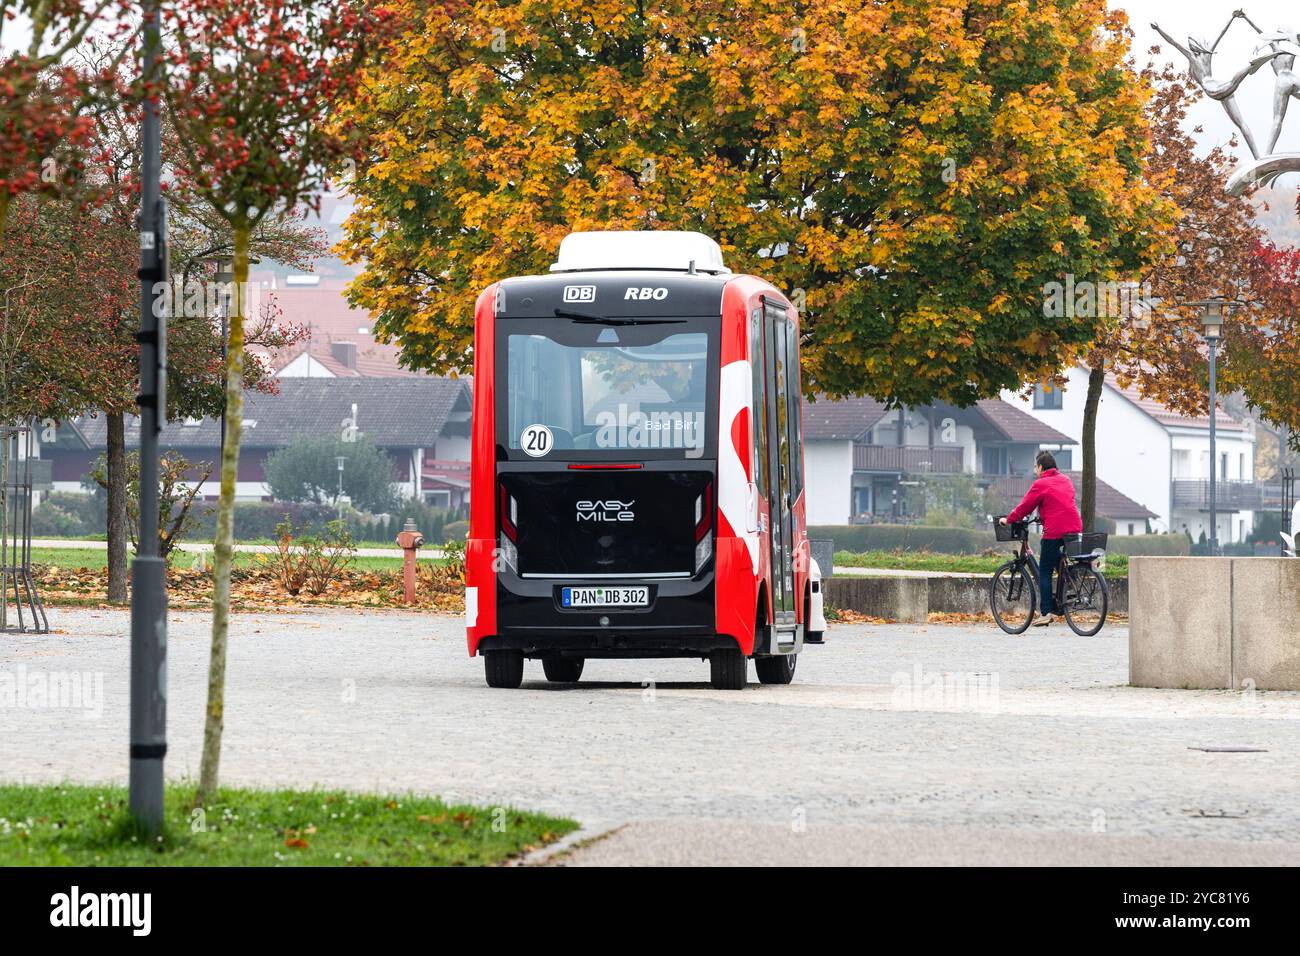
(1167, 416)
(325, 311)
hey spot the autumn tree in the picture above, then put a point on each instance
(250, 86)
(198, 238)
(912, 173)
(43, 99)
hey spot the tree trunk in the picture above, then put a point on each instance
(224, 545)
(1096, 379)
(116, 446)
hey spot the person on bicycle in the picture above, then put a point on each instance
(1052, 493)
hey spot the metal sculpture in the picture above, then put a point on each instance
(1278, 48)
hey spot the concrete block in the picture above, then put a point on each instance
(1266, 623)
(1180, 622)
(905, 600)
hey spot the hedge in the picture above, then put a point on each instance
(904, 537)
(860, 538)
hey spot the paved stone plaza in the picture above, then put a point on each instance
(896, 744)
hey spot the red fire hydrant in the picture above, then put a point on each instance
(409, 540)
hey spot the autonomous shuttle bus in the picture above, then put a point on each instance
(637, 484)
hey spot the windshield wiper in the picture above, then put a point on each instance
(605, 320)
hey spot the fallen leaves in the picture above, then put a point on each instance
(259, 589)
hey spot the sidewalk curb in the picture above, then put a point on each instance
(579, 838)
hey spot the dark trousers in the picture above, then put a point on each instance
(1048, 558)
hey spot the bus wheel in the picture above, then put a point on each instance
(503, 668)
(728, 669)
(777, 669)
(563, 670)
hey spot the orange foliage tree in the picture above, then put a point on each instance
(913, 174)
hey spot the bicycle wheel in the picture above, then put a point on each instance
(1012, 597)
(1086, 599)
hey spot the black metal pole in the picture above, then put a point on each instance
(149, 585)
(1214, 463)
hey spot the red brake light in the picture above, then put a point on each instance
(706, 513)
(506, 524)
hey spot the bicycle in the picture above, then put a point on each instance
(1081, 593)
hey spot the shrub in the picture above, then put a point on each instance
(308, 560)
(456, 531)
(179, 481)
(64, 514)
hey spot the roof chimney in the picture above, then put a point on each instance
(346, 353)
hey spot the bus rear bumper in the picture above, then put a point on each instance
(623, 643)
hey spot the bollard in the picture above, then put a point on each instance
(409, 540)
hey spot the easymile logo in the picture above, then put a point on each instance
(133, 910)
(611, 510)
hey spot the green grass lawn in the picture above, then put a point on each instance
(68, 825)
(98, 558)
(1116, 564)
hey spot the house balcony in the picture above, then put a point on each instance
(907, 459)
(1194, 494)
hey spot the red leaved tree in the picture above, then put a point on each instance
(250, 89)
(43, 99)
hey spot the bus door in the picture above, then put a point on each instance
(780, 379)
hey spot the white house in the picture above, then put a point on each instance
(1157, 457)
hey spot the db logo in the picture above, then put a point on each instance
(645, 292)
(579, 293)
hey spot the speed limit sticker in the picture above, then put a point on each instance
(536, 441)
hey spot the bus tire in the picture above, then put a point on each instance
(563, 670)
(504, 668)
(728, 669)
(777, 669)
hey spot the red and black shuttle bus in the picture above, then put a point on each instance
(637, 474)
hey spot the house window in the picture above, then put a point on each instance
(1047, 396)
(995, 460)
(1223, 467)
(1130, 527)
(1064, 459)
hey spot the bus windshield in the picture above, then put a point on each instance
(592, 387)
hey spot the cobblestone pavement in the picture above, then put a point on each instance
(899, 726)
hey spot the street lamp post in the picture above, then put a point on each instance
(1212, 313)
(148, 720)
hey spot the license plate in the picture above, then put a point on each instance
(604, 597)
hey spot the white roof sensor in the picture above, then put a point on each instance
(645, 249)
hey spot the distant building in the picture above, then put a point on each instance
(422, 422)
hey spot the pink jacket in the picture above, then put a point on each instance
(1053, 495)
